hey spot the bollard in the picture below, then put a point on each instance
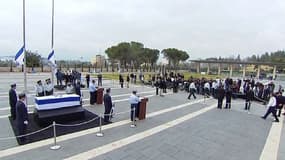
(55, 146)
(133, 125)
(100, 133)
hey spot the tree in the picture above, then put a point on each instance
(132, 54)
(174, 56)
(33, 59)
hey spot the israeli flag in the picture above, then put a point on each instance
(51, 58)
(19, 58)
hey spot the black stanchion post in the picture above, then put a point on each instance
(55, 146)
(100, 133)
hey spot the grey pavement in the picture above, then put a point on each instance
(216, 134)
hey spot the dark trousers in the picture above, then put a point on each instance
(107, 113)
(192, 92)
(99, 82)
(247, 104)
(48, 93)
(13, 112)
(122, 84)
(59, 82)
(41, 94)
(87, 84)
(273, 111)
(21, 131)
(157, 90)
(93, 97)
(220, 103)
(134, 111)
(228, 102)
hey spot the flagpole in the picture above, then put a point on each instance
(25, 54)
(52, 41)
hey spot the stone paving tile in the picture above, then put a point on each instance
(84, 144)
(213, 140)
(281, 153)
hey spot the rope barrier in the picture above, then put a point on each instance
(25, 135)
(79, 124)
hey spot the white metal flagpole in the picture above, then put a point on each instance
(52, 42)
(25, 54)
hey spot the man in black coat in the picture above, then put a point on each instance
(280, 100)
(228, 98)
(13, 101)
(21, 117)
(87, 80)
(220, 96)
(249, 96)
(108, 105)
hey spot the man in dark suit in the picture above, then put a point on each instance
(249, 96)
(13, 101)
(108, 105)
(87, 80)
(228, 98)
(21, 117)
(220, 96)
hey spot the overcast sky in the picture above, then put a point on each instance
(203, 28)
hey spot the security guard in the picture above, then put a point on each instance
(93, 92)
(220, 96)
(13, 100)
(21, 117)
(192, 89)
(48, 88)
(39, 89)
(134, 101)
(108, 105)
(249, 96)
(228, 98)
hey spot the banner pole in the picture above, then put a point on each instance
(52, 41)
(25, 53)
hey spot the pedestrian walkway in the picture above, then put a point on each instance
(175, 129)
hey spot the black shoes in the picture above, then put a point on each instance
(262, 117)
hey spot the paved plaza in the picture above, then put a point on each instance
(175, 129)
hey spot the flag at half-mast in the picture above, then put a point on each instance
(51, 58)
(19, 58)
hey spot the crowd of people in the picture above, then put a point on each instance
(217, 88)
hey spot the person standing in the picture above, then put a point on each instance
(280, 101)
(40, 89)
(108, 105)
(78, 88)
(99, 76)
(48, 88)
(220, 96)
(121, 79)
(249, 96)
(228, 98)
(93, 92)
(271, 107)
(21, 117)
(134, 101)
(192, 89)
(128, 80)
(13, 100)
(87, 80)
(157, 85)
(59, 77)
